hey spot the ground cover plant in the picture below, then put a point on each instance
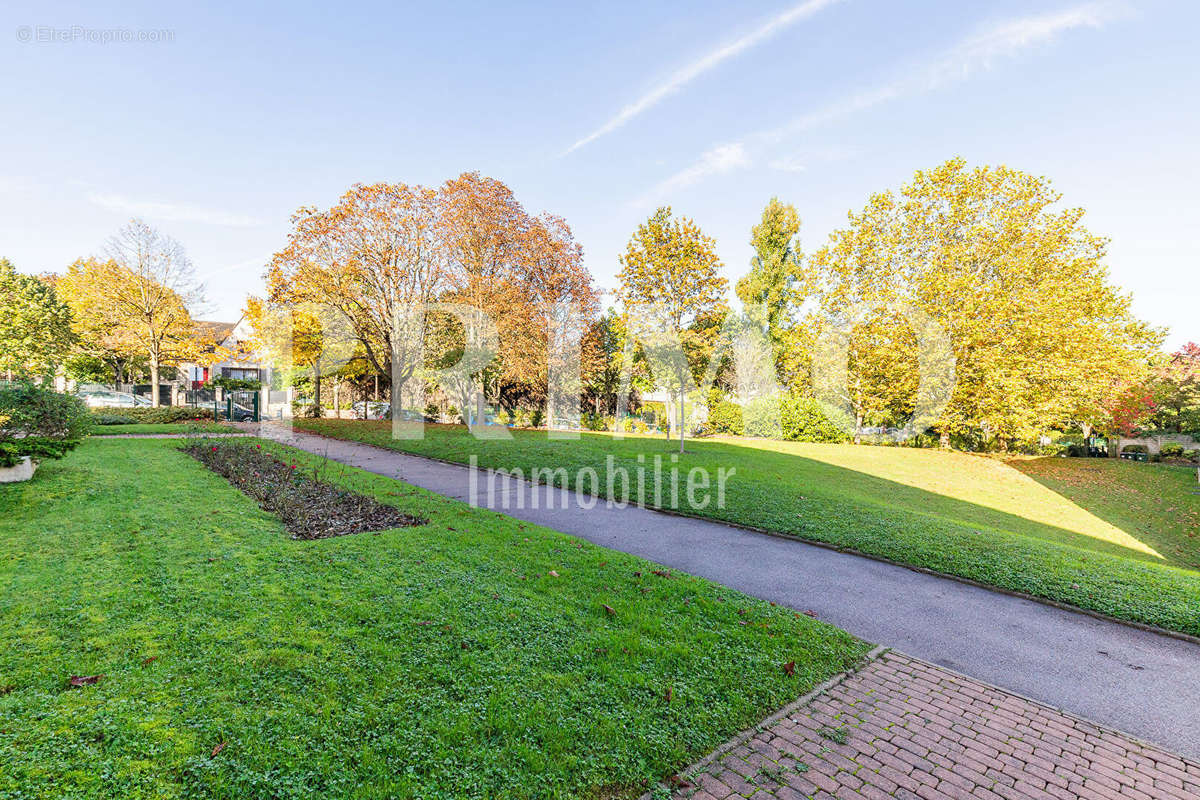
(472, 657)
(309, 504)
(975, 517)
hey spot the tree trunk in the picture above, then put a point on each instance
(944, 440)
(317, 390)
(681, 417)
(154, 381)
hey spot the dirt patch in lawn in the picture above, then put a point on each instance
(310, 508)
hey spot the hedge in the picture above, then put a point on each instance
(151, 415)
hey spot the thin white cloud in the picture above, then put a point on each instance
(682, 77)
(972, 55)
(171, 212)
(799, 162)
(1003, 40)
(723, 158)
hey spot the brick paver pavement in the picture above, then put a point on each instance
(906, 729)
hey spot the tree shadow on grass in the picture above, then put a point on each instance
(1158, 504)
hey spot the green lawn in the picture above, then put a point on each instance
(1052, 528)
(162, 427)
(440, 661)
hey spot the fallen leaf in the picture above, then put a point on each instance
(811, 613)
(609, 609)
(789, 668)
(84, 680)
(552, 574)
(676, 782)
(668, 694)
(150, 660)
(217, 749)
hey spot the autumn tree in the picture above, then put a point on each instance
(35, 324)
(300, 339)
(523, 273)
(102, 332)
(386, 252)
(371, 261)
(1176, 390)
(671, 286)
(1017, 284)
(142, 293)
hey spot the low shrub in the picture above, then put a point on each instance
(1192, 455)
(725, 417)
(635, 425)
(804, 420)
(1136, 448)
(39, 423)
(1171, 450)
(111, 419)
(309, 507)
(597, 422)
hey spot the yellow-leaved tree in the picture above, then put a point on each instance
(671, 287)
(1016, 281)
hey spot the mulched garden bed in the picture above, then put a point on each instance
(309, 507)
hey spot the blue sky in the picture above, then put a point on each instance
(597, 113)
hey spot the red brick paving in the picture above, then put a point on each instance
(901, 728)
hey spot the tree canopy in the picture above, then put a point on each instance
(1019, 285)
(35, 325)
(670, 285)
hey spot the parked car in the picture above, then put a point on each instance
(105, 399)
(242, 414)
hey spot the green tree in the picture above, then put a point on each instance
(773, 285)
(1176, 390)
(671, 286)
(1019, 285)
(35, 326)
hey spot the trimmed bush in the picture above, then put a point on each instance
(151, 416)
(1192, 455)
(1172, 450)
(804, 420)
(39, 423)
(1136, 448)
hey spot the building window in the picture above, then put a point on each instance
(238, 374)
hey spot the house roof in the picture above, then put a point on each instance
(215, 331)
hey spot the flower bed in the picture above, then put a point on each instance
(310, 508)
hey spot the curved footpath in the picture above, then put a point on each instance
(1135, 681)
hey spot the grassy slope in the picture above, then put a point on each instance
(1157, 503)
(162, 427)
(974, 517)
(440, 661)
